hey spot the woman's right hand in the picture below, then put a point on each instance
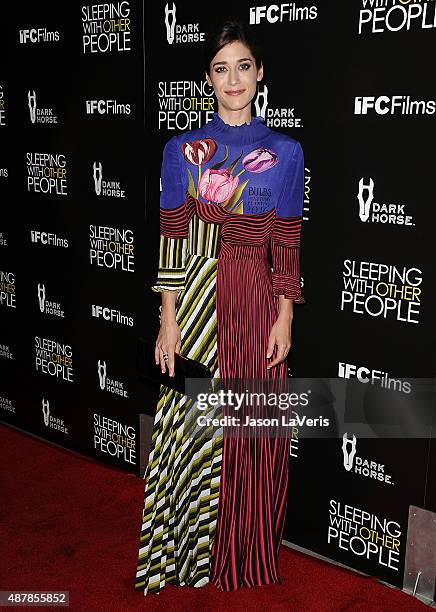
(168, 341)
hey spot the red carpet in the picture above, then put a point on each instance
(68, 523)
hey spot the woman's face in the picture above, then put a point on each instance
(233, 76)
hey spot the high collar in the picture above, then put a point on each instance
(246, 133)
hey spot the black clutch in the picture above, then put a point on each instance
(184, 368)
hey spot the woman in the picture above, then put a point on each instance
(232, 193)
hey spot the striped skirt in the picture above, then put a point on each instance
(215, 507)
(182, 477)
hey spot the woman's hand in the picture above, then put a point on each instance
(168, 341)
(280, 336)
(169, 338)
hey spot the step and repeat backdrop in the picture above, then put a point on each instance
(89, 96)
(74, 243)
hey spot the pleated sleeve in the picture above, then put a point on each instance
(286, 234)
(173, 222)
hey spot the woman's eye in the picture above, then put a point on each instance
(243, 66)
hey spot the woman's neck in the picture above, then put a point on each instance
(235, 117)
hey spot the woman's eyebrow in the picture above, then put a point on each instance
(244, 59)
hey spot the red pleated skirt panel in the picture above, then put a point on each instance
(254, 477)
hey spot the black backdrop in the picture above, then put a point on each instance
(108, 112)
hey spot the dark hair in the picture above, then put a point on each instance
(227, 32)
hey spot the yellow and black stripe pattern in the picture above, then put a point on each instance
(172, 262)
(182, 478)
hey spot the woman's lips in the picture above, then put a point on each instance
(237, 92)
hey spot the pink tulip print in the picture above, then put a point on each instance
(260, 160)
(217, 185)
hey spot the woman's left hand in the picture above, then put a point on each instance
(280, 336)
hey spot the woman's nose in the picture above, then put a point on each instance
(234, 76)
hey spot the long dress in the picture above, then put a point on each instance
(214, 506)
